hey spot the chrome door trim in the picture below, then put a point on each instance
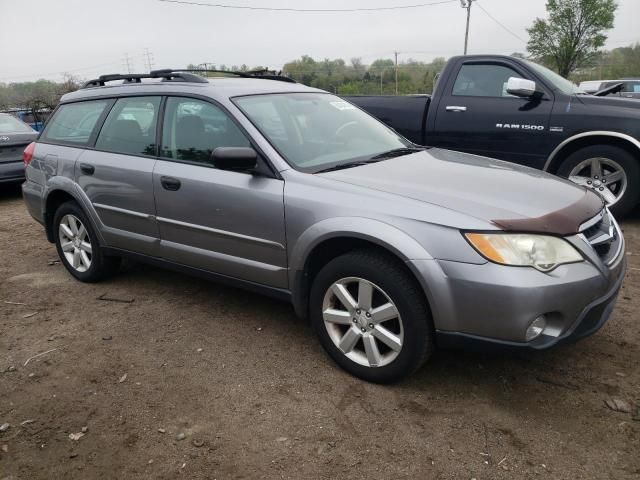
(123, 210)
(223, 233)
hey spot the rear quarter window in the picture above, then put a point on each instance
(74, 123)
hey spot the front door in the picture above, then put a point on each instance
(477, 115)
(230, 223)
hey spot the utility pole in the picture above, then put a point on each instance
(396, 54)
(466, 4)
(149, 57)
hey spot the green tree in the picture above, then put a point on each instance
(572, 34)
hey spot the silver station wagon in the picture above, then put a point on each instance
(389, 249)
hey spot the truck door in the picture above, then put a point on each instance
(475, 114)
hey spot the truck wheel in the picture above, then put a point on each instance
(609, 171)
(78, 246)
(371, 317)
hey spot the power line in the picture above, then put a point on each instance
(309, 10)
(500, 23)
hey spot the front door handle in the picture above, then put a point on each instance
(87, 169)
(170, 183)
(456, 108)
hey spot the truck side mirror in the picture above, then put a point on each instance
(521, 87)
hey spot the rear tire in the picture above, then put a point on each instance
(364, 329)
(78, 247)
(619, 169)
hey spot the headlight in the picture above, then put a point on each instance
(519, 249)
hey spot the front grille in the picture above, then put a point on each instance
(603, 234)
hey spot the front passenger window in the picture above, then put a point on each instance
(193, 129)
(130, 127)
(483, 80)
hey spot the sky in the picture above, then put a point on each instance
(87, 38)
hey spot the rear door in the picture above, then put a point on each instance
(230, 223)
(116, 174)
(476, 115)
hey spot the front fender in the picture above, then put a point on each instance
(399, 243)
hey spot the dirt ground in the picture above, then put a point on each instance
(254, 396)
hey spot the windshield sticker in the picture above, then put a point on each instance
(342, 105)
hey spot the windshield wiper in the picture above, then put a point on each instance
(343, 166)
(397, 152)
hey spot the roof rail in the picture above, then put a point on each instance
(264, 74)
(165, 75)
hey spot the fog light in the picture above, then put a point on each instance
(535, 329)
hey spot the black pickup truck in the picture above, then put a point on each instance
(516, 110)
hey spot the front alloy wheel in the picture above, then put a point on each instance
(602, 175)
(363, 322)
(371, 316)
(75, 243)
(609, 170)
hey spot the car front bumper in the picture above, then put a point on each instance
(11, 172)
(489, 304)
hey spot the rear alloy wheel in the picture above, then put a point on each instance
(610, 171)
(75, 243)
(371, 316)
(78, 245)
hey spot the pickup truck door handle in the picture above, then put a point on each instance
(87, 169)
(456, 108)
(170, 183)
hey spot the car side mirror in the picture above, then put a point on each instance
(521, 87)
(235, 158)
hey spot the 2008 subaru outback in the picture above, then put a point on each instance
(390, 249)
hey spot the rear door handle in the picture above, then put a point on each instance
(170, 183)
(87, 169)
(456, 108)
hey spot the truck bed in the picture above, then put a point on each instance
(407, 115)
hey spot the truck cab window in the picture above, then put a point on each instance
(488, 80)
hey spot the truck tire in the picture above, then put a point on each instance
(608, 170)
(371, 316)
(78, 247)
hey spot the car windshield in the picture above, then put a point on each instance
(561, 83)
(318, 131)
(10, 124)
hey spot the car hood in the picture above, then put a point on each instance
(509, 196)
(612, 101)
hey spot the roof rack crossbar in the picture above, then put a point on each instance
(184, 75)
(264, 74)
(165, 75)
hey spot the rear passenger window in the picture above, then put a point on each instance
(477, 80)
(130, 127)
(193, 129)
(74, 122)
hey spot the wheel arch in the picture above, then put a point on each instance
(331, 238)
(589, 139)
(59, 191)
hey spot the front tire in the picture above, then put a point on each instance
(78, 247)
(371, 316)
(609, 171)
